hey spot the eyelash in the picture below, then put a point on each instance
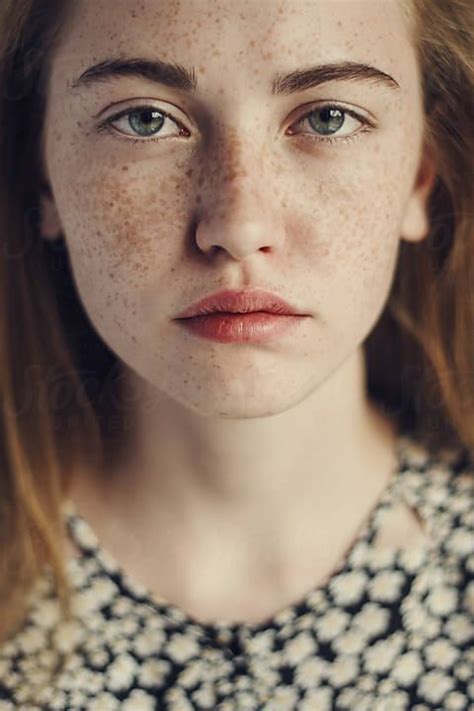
(106, 125)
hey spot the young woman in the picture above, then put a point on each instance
(236, 343)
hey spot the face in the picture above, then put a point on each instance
(234, 186)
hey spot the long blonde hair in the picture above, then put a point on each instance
(55, 371)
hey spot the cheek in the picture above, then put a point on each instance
(351, 193)
(127, 234)
(124, 235)
(348, 233)
(124, 220)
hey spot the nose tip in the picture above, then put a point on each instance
(239, 238)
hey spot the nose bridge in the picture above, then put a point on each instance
(233, 170)
(237, 203)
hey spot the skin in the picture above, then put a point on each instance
(275, 447)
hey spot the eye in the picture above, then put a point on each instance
(144, 121)
(327, 121)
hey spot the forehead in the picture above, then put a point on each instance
(228, 39)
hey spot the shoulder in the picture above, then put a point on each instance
(445, 478)
(442, 484)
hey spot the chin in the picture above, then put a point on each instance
(242, 405)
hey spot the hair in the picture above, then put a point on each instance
(56, 374)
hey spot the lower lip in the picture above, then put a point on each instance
(253, 327)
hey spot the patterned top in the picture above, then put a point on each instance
(391, 629)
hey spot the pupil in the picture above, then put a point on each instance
(149, 115)
(331, 120)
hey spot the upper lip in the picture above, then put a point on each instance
(243, 301)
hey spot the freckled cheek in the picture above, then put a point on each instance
(136, 219)
(348, 215)
(350, 235)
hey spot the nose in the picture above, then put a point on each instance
(240, 212)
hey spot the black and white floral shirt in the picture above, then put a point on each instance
(389, 630)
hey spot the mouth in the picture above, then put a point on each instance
(240, 302)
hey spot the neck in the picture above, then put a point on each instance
(266, 479)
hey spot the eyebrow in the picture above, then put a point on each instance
(176, 76)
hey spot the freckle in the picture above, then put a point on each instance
(124, 167)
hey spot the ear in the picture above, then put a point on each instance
(415, 224)
(50, 223)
